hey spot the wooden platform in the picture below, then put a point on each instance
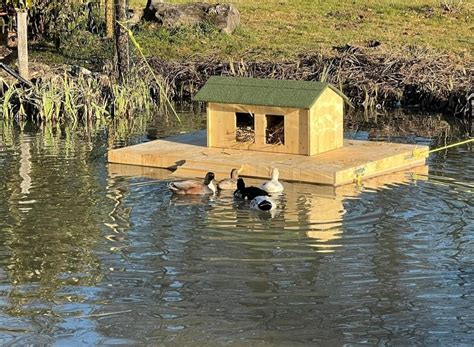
(357, 160)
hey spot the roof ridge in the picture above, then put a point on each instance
(259, 87)
(214, 79)
(263, 91)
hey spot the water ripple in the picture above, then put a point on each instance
(92, 255)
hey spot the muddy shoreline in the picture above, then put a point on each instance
(373, 80)
(417, 79)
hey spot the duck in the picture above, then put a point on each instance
(259, 199)
(192, 187)
(262, 203)
(273, 186)
(229, 183)
(247, 193)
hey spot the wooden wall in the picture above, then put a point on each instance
(307, 132)
(221, 128)
(326, 123)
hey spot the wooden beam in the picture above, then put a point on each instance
(356, 161)
(22, 32)
(109, 18)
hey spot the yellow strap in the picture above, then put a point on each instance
(358, 174)
(451, 145)
(358, 179)
(420, 152)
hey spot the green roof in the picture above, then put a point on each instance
(263, 92)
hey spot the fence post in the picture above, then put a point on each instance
(22, 32)
(109, 18)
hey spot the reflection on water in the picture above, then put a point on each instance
(92, 253)
(316, 210)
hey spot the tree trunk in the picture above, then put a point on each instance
(109, 18)
(121, 38)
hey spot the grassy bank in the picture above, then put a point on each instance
(382, 53)
(285, 28)
(282, 29)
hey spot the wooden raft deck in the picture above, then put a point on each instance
(188, 154)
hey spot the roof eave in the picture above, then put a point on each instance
(251, 104)
(335, 90)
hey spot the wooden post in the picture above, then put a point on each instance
(470, 118)
(22, 32)
(121, 38)
(109, 18)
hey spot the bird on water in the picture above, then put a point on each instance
(229, 183)
(259, 199)
(273, 186)
(193, 187)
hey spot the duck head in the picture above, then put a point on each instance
(275, 174)
(209, 178)
(209, 182)
(234, 174)
(240, 184)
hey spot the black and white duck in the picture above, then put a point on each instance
(259, 199)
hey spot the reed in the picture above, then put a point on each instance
(417, 78)
(7, 104)
(85, 99)
(324, 75)
(158, 81)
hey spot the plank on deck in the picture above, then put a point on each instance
(357, 159)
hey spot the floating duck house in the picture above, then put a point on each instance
(257, 124)
(293, 117)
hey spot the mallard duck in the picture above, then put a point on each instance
(192, 187)
(229, 183)
(273, 186)
(259, 199)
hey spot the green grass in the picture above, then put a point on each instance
(285, 28)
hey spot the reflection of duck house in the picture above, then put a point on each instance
(294, 117)
(256, 124)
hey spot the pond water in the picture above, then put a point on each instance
(92, 253)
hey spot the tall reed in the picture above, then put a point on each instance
(159, 82)
(86, 99)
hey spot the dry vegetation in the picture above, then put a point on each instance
(381, 53)
(414, 78)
